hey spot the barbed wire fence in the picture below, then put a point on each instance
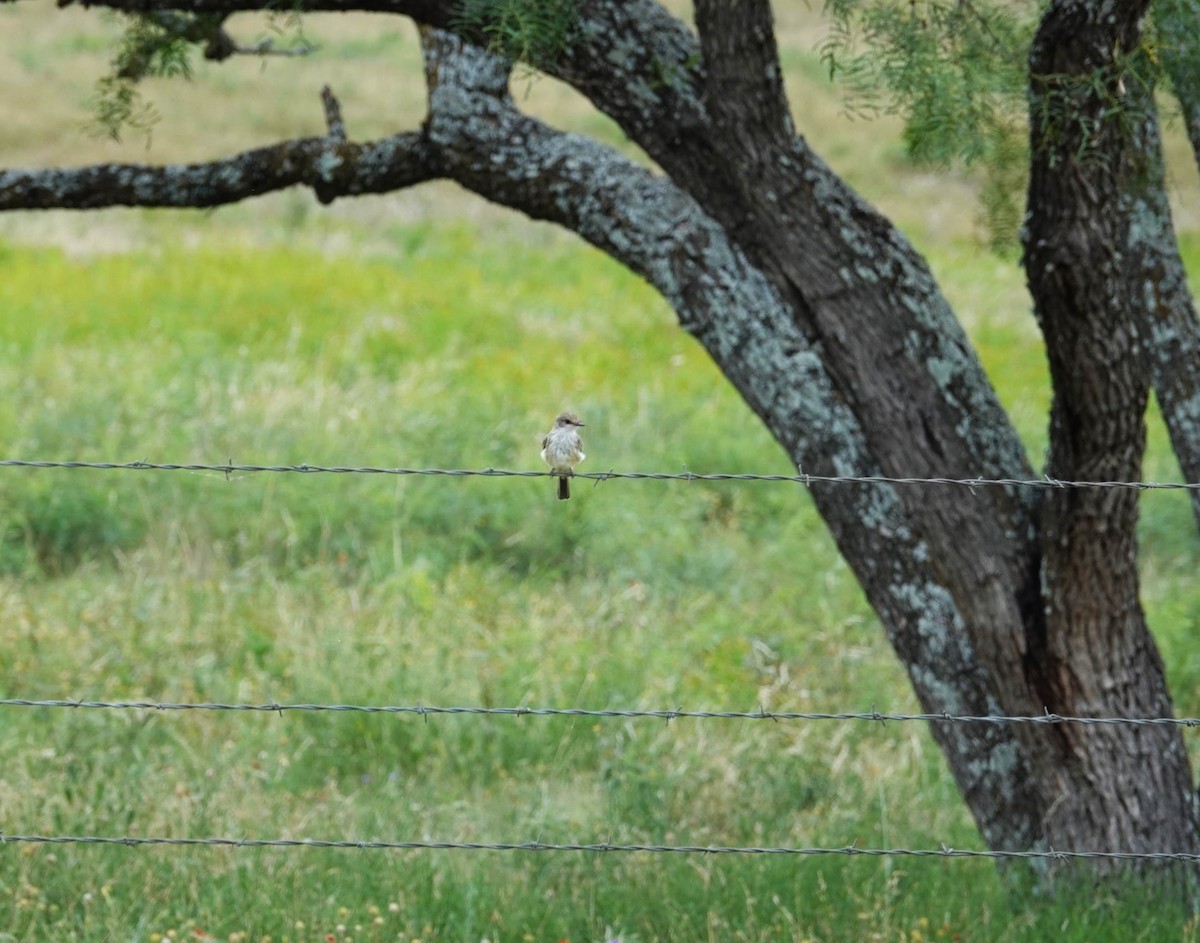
(230, 469)
(134, 841)
(667, 715)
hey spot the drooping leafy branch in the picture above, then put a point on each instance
(1173, 43)
(956, 72)
(150, 45)
(533, 32)
(160, 43)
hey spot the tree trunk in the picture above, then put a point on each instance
(1128, 788)
(1161, 297)
(1170, 325)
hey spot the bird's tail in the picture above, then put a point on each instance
(564, 488)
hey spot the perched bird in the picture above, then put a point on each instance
(562, 450)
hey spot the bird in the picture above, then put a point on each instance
(562, 450)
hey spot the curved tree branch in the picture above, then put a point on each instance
(331, 167)
(723, 300)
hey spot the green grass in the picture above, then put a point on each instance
(423, 330)
(454, 351)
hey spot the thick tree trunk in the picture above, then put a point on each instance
(1128, 788)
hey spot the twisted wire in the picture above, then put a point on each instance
(231, 468)
(133, 841)
(668, 715)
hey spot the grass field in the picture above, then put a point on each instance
(425, 330)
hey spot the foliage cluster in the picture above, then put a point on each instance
(148, 47)
(162, 44)
(532, 32)
(957, 73)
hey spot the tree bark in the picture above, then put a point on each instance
(1127, 787)
(331, 167)
(1161, 297)
(1172, 329)
(833, 330)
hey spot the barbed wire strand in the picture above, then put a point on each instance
(231, 468)
(134, 841)
(659, 714)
